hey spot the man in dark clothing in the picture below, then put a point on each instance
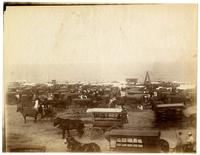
(179, 146)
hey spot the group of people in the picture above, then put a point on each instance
(90, 93)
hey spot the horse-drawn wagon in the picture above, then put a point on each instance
(135, 95)
(108, 118)
(128, 140)
(171, 106)
(95, 121)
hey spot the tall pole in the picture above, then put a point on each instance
(147, 79)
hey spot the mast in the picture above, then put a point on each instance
(147, 79)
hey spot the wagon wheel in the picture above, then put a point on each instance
(106, 135)
(164, 146)
(108, 131)
(96, 133)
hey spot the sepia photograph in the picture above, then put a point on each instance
(110, 78)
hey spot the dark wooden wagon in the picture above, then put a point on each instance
(171, 106)
(144, 141)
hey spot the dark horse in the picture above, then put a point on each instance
(28, 112)
(68, 124)
(31, 112)
(75, 146)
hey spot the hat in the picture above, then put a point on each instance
(189, 133)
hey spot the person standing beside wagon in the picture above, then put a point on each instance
(190, 142)
(179, 147)
(36, 106)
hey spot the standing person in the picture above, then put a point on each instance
(179, 146)
(36, 106)
(39, 107)
(190, 142)
(18, 96)
(19, 103)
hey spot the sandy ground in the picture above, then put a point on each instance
(39, 134)
(43, 133)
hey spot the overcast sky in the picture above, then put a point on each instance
(98, 42)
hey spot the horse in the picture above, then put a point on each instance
(28, 112)
(67, 124)
(75, 146)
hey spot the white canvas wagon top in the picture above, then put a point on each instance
(104, 110)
